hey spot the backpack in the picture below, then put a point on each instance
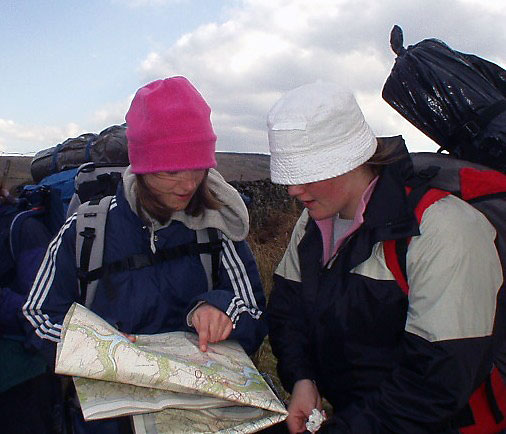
(88, 191)
(54, 171)
(436, 176)
(50, 199)
(108, 148)
(94, 190)
(48, 202)
(45, 202)
(456, 99)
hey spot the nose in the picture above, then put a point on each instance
(295, 190)
(190, 184)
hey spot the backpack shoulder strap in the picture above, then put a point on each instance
(16, 227)
(90, 236)
(210, 261)
(395, 251)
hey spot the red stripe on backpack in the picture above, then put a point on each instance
(485, 421)
(389, 249)
(476, 183)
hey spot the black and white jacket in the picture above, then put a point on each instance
(387, 361)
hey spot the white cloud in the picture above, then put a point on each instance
(110, 114)
(266, 47)
(488, 5)
(32, 138)
(263, 48)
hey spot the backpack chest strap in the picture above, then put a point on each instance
(142, 260)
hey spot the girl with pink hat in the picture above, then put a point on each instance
(170, 194)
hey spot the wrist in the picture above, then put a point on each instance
(189, 316)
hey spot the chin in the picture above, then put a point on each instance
(319, 216)
(315, 215)
(182, 207)
(179, 208)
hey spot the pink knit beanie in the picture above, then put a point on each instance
(169, 128)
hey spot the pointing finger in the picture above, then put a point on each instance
(203, 338)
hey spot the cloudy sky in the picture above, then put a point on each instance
(70, 66)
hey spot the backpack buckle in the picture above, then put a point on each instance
(471, 128)
(88, 233)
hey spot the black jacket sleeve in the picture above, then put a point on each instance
(288, 332)
(424, 393)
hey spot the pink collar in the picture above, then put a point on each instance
(327, 225)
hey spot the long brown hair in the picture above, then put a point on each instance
(387, 152)
(147, 200)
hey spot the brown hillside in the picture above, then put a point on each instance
(15, 170)
(243, 167)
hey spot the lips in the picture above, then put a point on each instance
(184, 197)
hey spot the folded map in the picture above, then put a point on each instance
(164, 380)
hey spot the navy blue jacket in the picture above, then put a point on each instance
(17, 364)
(157, 298)
(154, 299)
(19, 273)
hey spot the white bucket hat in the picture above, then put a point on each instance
(316, 132)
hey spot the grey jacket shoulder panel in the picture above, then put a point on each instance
(452, 268)
(289, 267)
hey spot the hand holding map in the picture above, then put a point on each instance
(165, 378)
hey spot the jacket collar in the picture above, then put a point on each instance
(388, 222)
(231, 218)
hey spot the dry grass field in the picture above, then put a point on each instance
(268, 253)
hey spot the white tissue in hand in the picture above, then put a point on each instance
(315, 420)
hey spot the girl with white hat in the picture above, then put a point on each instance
(340, 325)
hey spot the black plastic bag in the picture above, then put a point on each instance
(457, 99)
